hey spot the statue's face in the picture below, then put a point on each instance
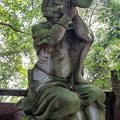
(53, 10)
(54, 13)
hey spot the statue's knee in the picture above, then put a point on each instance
(72, 102)
(66, 99)
(102, 96)
(75, 104)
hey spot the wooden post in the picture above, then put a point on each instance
(109, 105)
(116, 91)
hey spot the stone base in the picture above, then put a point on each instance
(7, 112)
(18, 115)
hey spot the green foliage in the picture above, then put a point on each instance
(105, 52)
(16, 47)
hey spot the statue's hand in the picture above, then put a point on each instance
(90, 94)
(71, 11)
(54, 13)
(44, 53)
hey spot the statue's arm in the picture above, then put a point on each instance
(81, 29)
(91, 93)
(86, 36)
(50, 36)
(57, 32)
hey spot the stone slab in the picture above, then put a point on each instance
(7, 111)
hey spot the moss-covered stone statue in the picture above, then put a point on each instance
(57, 89)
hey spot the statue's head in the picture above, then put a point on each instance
(52, 8)
(56, 7)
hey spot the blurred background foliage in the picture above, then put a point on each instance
(16, 45)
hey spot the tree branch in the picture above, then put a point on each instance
(8, 53)
(85, 15)
(93, 13)
(12, 28)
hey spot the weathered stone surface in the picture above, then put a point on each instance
(57, 89)
(7, 111)
(82, 3)
(18, 115)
